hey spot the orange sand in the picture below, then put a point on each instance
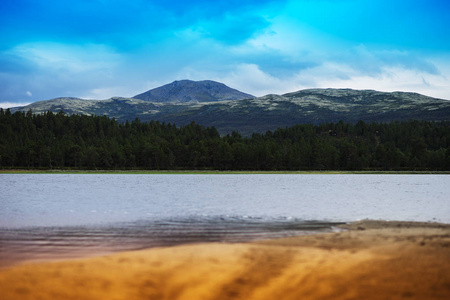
(373, 260)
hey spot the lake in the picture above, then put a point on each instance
(51, 215)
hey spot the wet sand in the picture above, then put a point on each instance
(370, 260)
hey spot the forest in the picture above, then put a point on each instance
(59, 141)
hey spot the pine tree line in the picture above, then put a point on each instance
(52, 140)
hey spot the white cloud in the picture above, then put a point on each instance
(315, 59)
(5, 105)
(57, 70)
(107, 92)
(69, 58)
(249, 78)
(389, 79)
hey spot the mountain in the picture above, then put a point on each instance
(312, 106)
(259, 114)
(192, 91)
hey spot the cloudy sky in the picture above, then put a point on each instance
(97, 49)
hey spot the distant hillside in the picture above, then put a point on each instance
(248, 115)
(192, 91)
(313, 106)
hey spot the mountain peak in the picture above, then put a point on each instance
(192, 91)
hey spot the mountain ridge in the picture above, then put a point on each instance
(259, 114)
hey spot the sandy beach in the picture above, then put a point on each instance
(368, 260)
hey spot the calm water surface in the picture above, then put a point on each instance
(47, 215)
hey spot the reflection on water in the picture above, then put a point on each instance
(76, 241)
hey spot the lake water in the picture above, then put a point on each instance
(46, 215)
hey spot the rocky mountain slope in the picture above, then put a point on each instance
(192, 91)
(248, 115)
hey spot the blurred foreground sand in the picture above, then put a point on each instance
(372, 260)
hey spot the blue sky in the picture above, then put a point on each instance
(97, 49)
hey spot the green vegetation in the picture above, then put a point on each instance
(257, 115)
(76, 142)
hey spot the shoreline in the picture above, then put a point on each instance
(212, 172)
(367, 260)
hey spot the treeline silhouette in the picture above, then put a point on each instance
(52, 140)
